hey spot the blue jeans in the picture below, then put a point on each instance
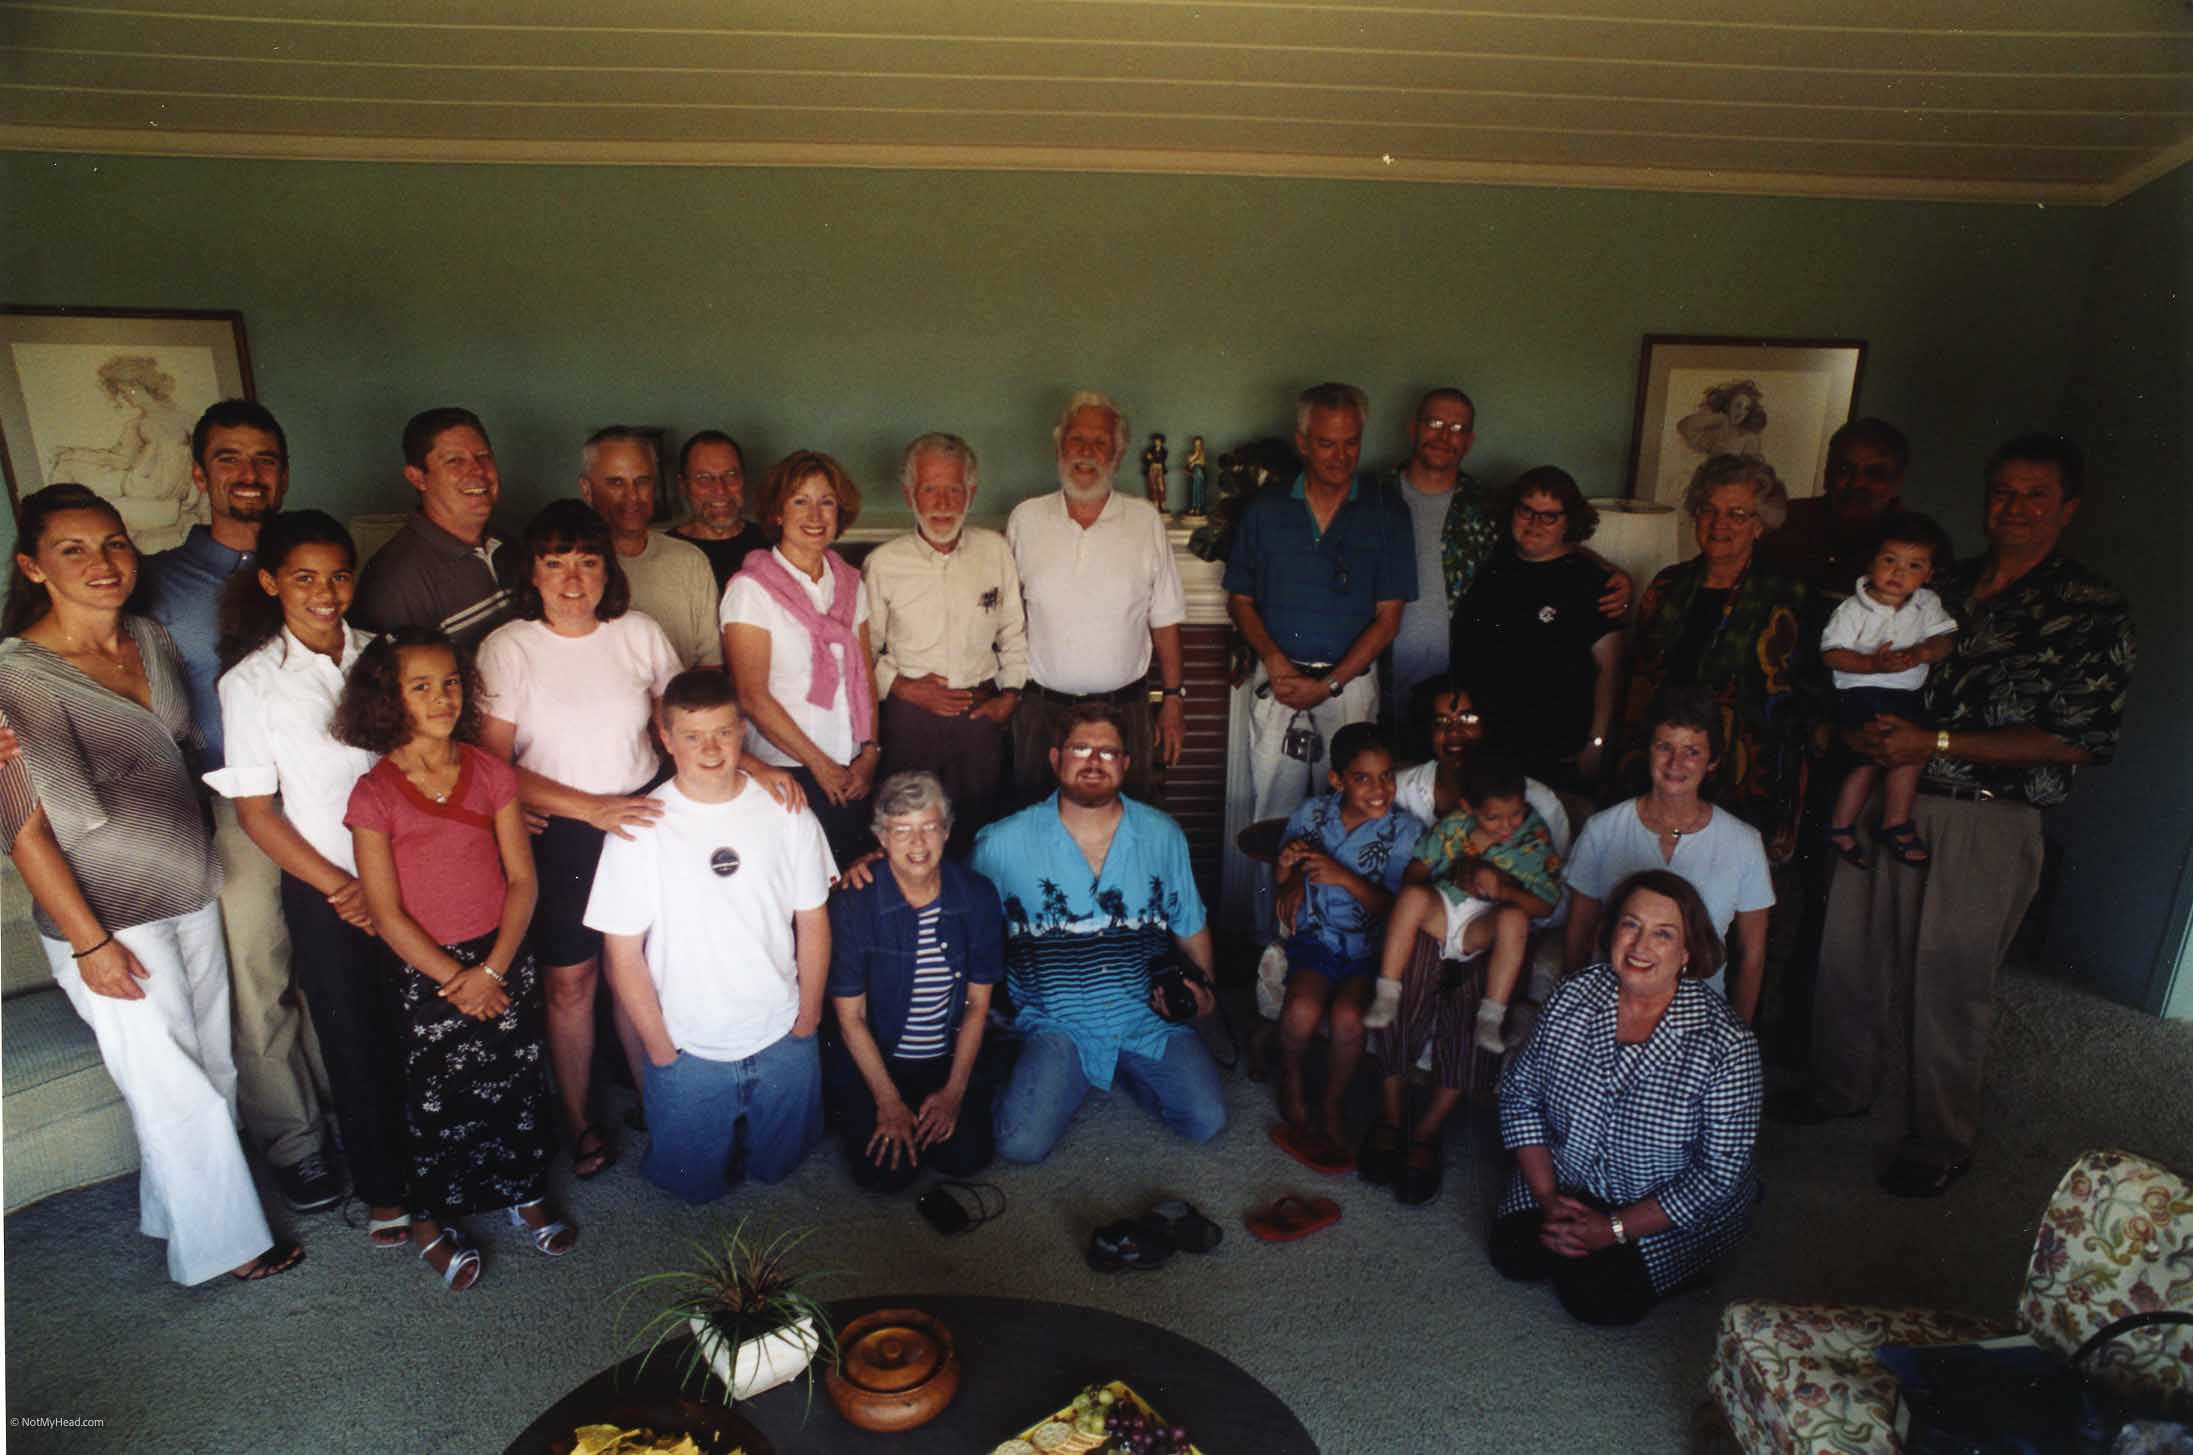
(1180, 1089)
(695, 1106)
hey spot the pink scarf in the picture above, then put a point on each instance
(823, 632)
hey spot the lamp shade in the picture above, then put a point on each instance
(1640, 536)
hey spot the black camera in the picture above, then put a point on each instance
(1169, 975)
(1302, 741)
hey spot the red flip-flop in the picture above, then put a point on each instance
(1302, 1151)
(1292, 1218)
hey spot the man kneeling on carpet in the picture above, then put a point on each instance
(1631, 1111)
(1099, 900)
(718, 942)
(1344, 855)
(914, 955)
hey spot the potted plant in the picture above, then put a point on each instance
(754, 1321)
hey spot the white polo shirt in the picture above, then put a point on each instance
(792, 662)
(1093, 595)
(713, 887)
(277, 706)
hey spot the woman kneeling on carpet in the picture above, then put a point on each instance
(914, 953)
(1631, 1113)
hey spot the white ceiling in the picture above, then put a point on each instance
(2074, 101)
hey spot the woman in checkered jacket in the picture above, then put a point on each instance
(1631, 1113)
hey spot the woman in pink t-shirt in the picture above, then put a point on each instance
(448, 874)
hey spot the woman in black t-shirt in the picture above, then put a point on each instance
(1540, 660)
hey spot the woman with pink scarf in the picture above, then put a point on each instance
(795, 635)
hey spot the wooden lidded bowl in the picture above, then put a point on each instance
(897, 1369)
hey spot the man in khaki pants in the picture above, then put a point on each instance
(2034, 689)
(241, 461)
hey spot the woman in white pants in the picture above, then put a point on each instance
(102, 820)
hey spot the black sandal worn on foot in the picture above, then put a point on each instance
(1904, 842)
(278, 1259)
(588, 1165)
(1843, 839)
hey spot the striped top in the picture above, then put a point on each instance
(113, 781)
(923, 1038)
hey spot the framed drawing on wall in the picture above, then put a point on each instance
(1777, 399)
(106, 398)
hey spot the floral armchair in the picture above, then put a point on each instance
(2116, 1239)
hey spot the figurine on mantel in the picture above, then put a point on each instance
(1197, 468)
(1153, 470)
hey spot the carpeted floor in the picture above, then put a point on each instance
(1386, 1333)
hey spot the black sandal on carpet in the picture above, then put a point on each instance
(1137, 1243)
(276, 1260)
(1843, 839)
(1379, 1160)
(1187, 1228)
(1904, 842)
(588, 1165)
(1418, 1180)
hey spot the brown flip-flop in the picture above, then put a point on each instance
(1312, 1149)
(1292, 1218)
(277, 1259)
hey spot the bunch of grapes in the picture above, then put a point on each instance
(1136, 1432)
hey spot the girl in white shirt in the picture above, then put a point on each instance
(287, 651)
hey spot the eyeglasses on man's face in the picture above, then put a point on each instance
(1455, 427)
(1083, 752)
(1457, 719)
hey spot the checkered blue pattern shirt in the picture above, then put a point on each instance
(1673, 1117)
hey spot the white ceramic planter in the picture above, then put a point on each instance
(763, 1363)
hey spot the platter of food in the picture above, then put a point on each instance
(1104, 1419)
(663, 1425)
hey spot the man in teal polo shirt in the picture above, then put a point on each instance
(1316, 581)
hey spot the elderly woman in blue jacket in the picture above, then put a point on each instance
(914, 954)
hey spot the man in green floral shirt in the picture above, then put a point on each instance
(2034, 690)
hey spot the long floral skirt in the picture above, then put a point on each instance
(475, 1092)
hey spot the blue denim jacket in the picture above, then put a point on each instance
(872, 946)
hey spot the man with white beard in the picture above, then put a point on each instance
(1103, 598)
(945, 618)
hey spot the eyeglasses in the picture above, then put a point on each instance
(1539, 517)
(712, 477)
(1083, 752)
(1734, 515)
(1443, 426)
(1457, 719)
(906, 833)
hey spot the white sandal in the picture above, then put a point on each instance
(401, 1223)
(544, 1237)
(460, 1258)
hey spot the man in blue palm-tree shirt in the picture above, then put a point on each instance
(1095, 886)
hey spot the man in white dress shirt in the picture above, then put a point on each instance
(671, 580)
(1103, 599)
(949, 633)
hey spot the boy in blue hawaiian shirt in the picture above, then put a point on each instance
(1344, 855)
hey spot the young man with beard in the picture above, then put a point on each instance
(670, 579)
(951, 642)
(1103, 598)
(240, 459)
(1095, 887)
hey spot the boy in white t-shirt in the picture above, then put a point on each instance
(1879, 645)
(718, 949)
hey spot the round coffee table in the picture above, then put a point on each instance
(1020, 1359)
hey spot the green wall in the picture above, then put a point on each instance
(852, 309)
(2128, 831)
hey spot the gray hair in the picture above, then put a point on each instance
(936, 442)
(905, 794)
(1770, 496)
(1332, 396)
(619, 434)
(1082, 399)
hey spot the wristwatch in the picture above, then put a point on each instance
(1941, 741)
(1333, 685)
(1180, 692)
(1621, 1234)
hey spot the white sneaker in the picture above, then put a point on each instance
(1271, 981)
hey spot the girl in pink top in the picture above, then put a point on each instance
(448, 874)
